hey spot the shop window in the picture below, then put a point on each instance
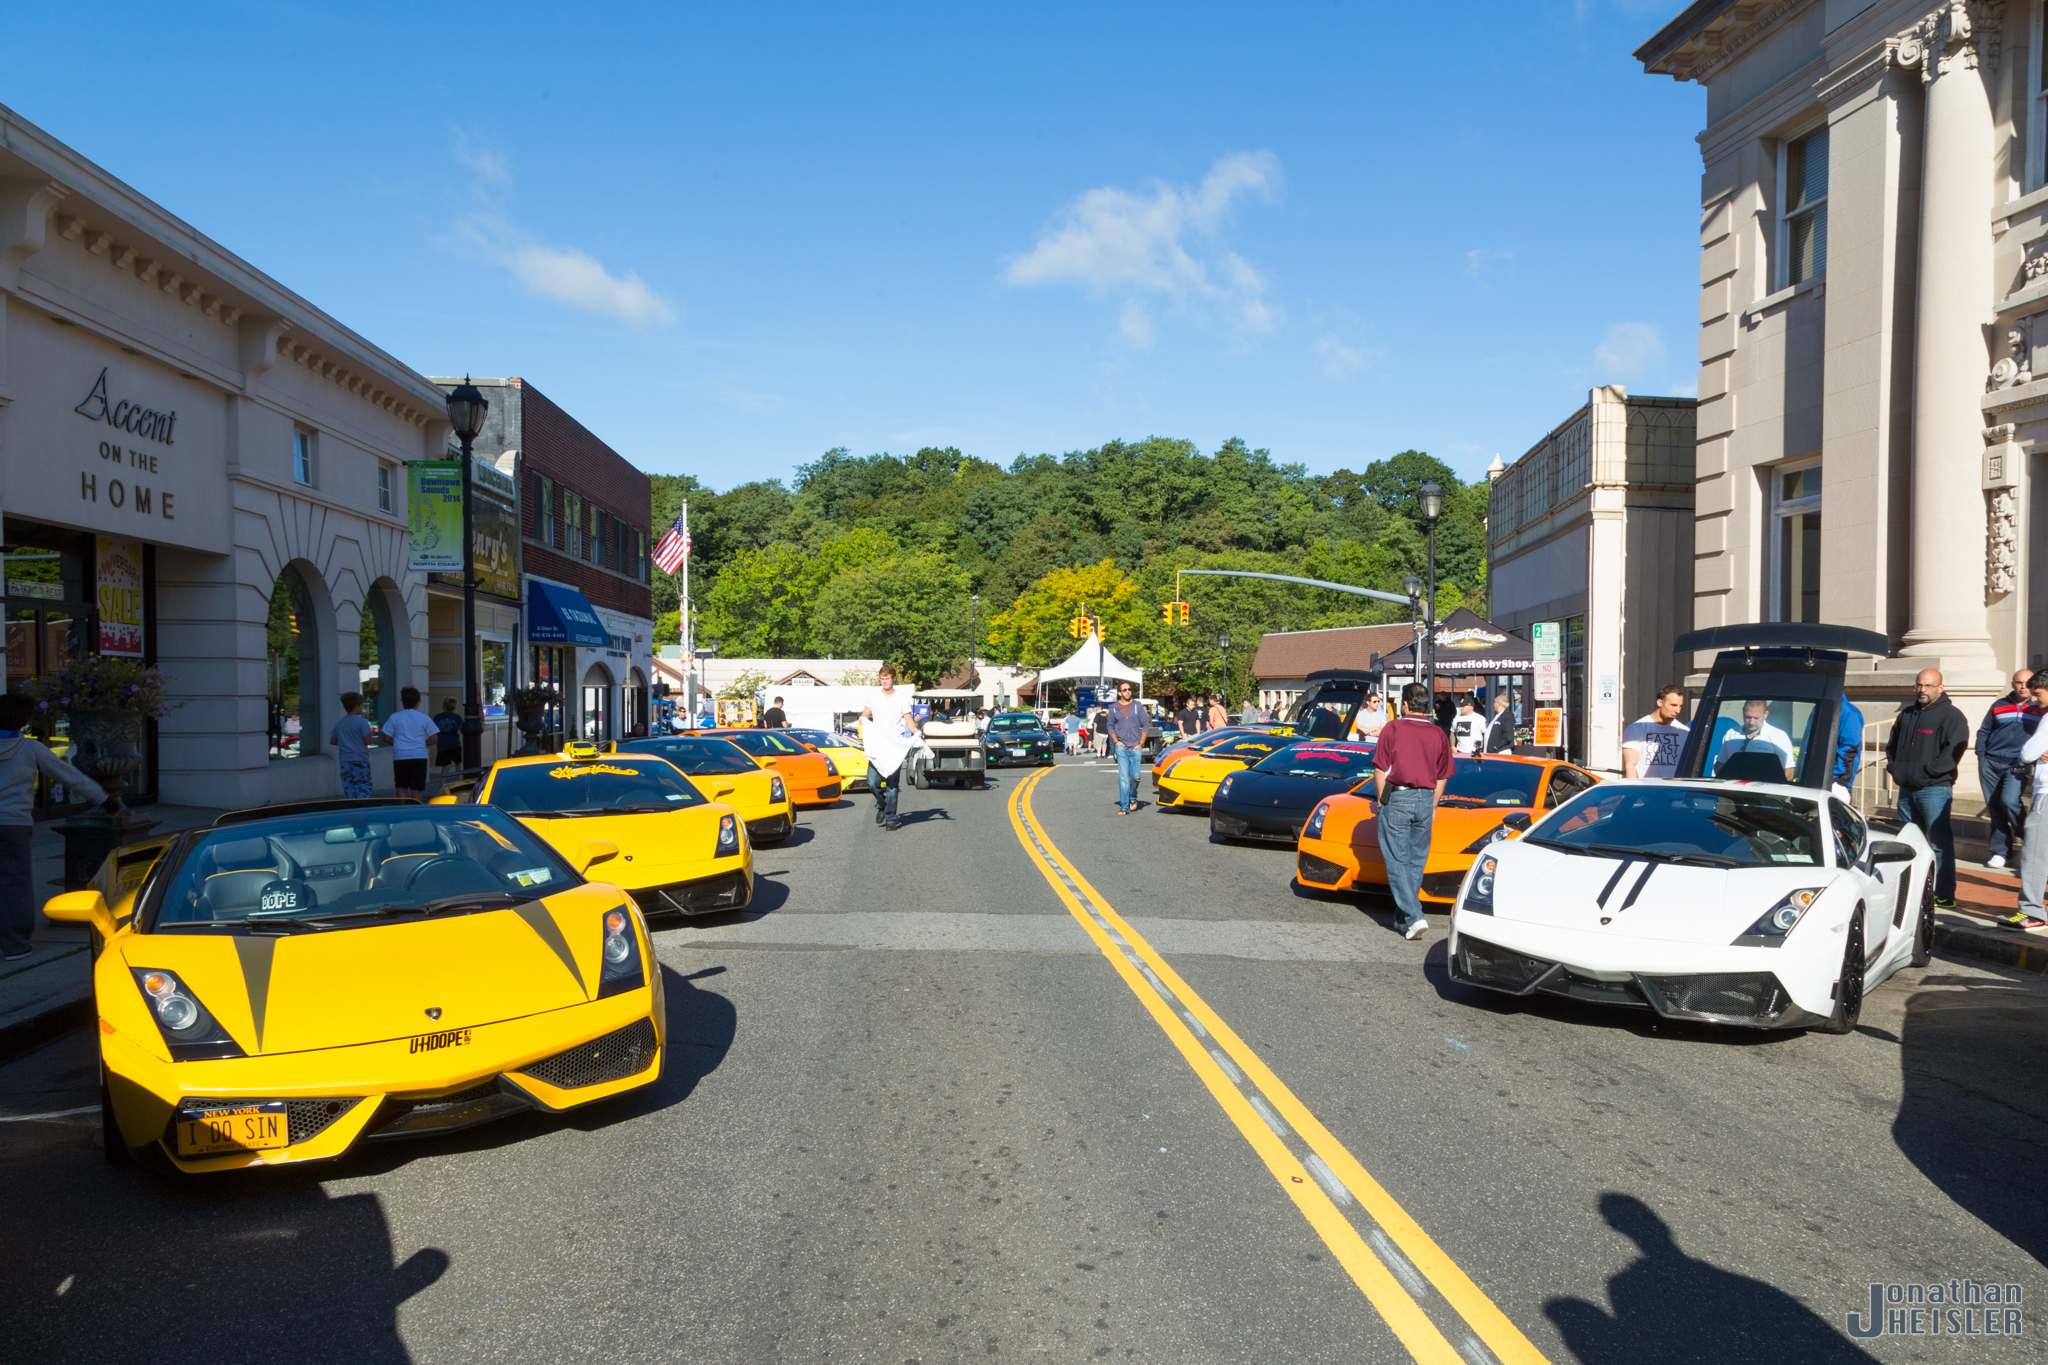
(572, 521)
(545, 664)
(292, 644)
(302, 457)
(544, 511)
(383, 488)
(597, 705)
(1795, 567)
(376, 660)
(494, 675)
(601, 537)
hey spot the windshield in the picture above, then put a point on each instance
(1010, 725)
(592, 787)
(1474, 782)
(1336, 762)
(1729, 828)
(765, 744)
(699, 756)
(816, 737)
(1757, 739)
(314, 870)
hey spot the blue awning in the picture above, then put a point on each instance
(561, 616)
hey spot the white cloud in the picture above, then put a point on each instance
(1341, 362)
(1479, 259)
(1631, 350)
(1116, 242)
(562, 273)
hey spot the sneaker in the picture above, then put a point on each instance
(893, 825)
(1416, 929)
(18, 954)
(1995, 860)
(878, 813)
(1944, 902)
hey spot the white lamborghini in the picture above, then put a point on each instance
(1759, 904)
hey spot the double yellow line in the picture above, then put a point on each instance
(1181, 1014)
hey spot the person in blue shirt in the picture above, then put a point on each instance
(2007, 724)
(1848, 749)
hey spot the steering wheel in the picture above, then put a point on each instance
(438, 860)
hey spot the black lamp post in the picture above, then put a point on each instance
(1224, 642)
(973, 634)
(1431, 499)
(466, 409)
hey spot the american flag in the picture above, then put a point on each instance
(674, 546)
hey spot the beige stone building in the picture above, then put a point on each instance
(1873, 288)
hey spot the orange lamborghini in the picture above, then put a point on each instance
(813, 779)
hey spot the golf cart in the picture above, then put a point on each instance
(958, 754)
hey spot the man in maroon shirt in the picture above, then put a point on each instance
(1410, 767)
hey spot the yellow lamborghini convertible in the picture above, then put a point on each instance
(1191, 780)
(726, 772)
(290, 981)
(680, 853)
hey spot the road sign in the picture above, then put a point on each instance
(1549, 680)
(1548, 638)
(1549, 727)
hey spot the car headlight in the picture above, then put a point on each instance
(729, 835)
(1223, 789)
(1492, 836)
(1770, 929)
(1314, 828)
(776, 791)
(189, 1031)
(620, 969)
(1479, 891)
(831, 768)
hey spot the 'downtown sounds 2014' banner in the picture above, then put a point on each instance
(433, 504)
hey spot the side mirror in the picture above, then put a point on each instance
(596, 851)
(1890, 851)
(81, 907)
(1518, 821)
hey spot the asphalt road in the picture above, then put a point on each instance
(928, 1103)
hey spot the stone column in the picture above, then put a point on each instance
(1956, 48)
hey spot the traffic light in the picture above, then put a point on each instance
(1183, 613)
(1166, 613)
(1076, 625)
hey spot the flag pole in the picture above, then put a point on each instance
(689, 647)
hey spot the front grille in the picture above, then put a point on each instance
(304, 1119)
(776, 828)
(830, 793)
(1579, 987)
(479, 1103)
(1443, 885)
(1487, 964)
(726, 891)
(1719, 995)
(610, 1058)
(1167, 795)
(1227, 825)
(1314, 869)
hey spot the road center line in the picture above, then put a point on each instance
(1170, 1001)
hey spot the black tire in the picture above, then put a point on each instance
(1923, 927)
(979, 784)
(920, 781)
(116, 1150)
(1849, 988)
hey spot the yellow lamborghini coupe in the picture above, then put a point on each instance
(291, 981)
(725, 772)
(680, 853)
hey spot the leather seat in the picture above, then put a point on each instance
(242, 868)
(410, 844)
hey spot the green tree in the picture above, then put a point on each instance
(1035, 631)
(763, 602)
(1394, 483)
(911, 611)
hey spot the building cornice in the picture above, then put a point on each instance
(1711, 33)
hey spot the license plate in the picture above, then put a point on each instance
(245, 1128)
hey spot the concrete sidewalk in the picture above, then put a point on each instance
(50, 991)
(1983, 894)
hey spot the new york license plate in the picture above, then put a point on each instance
(244, 1128)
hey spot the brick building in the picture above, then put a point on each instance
(583, 618)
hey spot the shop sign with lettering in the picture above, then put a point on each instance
(494, 538)
(118, 571)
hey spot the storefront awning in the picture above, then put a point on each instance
(561, 616)
(1467, 646)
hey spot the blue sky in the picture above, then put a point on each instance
(730, 238)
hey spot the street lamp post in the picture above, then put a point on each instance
(1431, 498)
(973, 634)
(1223, 641)
(466, 409)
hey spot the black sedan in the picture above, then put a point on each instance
(1018, 738)
(1273, 798)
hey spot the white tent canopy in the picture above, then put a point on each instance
(1091, 659)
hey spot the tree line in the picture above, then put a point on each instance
(881, 556)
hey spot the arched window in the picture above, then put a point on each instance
(597, 703)
(377, 659)
(293, 668)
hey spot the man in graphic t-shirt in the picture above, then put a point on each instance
(1468, 729)
(1650, 746)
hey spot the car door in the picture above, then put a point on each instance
(1563, 783)
(1884, 888)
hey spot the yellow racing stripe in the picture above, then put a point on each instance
(1488, 1322)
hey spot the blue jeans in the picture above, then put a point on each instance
(1928, 808)
(886, 787)
(1405, 819)
(2002, 804)
(1126, 777)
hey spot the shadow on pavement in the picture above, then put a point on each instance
(105, 1264)
(796, 838)
(701, 1027)
(1974, 1095)
(1670, 1307)
(926, 816)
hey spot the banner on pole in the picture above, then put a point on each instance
(433, 505)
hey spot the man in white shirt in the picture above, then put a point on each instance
(1468, 730)
(1370, 720)
(2034, 852)
(1650, 746)
(1756, 735)
(410, 733)
(888, 732)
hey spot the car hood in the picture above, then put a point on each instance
(342, 987)
(655, 847)
(1666, 902)
(1451, 830)
(748, 789)
(1264, 792)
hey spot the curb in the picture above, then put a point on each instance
(24, 1036)
(2023, 952)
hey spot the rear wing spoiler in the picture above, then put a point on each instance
(1783, 635)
